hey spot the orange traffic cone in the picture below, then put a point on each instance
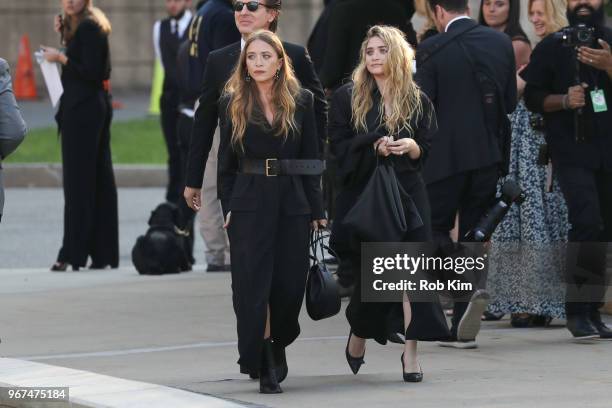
(24, 84)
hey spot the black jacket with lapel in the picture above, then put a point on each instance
(462, 142)
(219, 67)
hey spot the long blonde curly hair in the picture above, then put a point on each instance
(556, 14)
(244, 95)
(401, 92)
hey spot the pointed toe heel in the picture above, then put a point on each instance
(354, 363)
(411, 377)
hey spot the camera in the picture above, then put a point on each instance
(580, 35)
(511, 193)
(536, 121)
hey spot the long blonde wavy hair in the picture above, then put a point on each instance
(555, 11)
(400, 90)
(423, 8)
(245, 94)
(70, 25)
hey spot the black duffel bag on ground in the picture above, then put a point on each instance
(162, 249)
(322, 297)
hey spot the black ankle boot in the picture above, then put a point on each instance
(268, 381)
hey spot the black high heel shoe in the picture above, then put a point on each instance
(268, 381)
(62, 267)
(411, 377)
(59, 267)
(353, 362)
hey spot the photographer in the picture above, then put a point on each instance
(569, 82)
(12, 126)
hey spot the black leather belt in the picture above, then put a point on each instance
(276, 167)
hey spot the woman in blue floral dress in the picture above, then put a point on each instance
(525, 276)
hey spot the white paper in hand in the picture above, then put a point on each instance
(52, 78)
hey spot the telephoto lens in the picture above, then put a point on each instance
(511, 193)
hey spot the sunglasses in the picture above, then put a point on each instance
(250, 5)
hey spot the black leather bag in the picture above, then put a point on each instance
(384, 212)
(162, 249)
(322, 297)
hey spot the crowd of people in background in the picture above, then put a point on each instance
(256, 126)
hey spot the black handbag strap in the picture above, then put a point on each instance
(316, 245)
(501, 103)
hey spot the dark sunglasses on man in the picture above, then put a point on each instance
(250, 5)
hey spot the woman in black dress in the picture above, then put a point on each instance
(383, 108)
(84, 117)
(269, 187)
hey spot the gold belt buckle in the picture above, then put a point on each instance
(268, 167)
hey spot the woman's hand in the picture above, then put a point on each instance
(227, 220)
(403, 146)
(54, 55)
(319, 224)
(382, 144)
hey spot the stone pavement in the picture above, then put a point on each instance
(178, 331)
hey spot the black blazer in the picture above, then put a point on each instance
(317, 42)
(349, 22)
(219, 67)
(462, 142)
(298, 195)
(88, 64)
(353, 149)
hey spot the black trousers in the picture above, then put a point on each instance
(91, 226)
(176, 168)
(186, 214)
(375, 320)
(269, 256)
(469, 194)
(588, 194)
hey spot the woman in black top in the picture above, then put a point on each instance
(84, 117)
(383, 108)
(504, 16)
(270, 200)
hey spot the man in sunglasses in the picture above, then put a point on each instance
(249, 16)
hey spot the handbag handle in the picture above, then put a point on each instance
(316, 245)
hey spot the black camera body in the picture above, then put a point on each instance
(580, 35)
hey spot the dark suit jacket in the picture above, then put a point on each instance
(298, 195)
(88, 66)
(462, 142)
(212, 28)
(317, 42)
(349, 22)
(219, 68)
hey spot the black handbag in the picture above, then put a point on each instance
(384, 212)
(322, 297)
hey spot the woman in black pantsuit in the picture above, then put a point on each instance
(84, 117)
(383, 112)
(269, 186)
